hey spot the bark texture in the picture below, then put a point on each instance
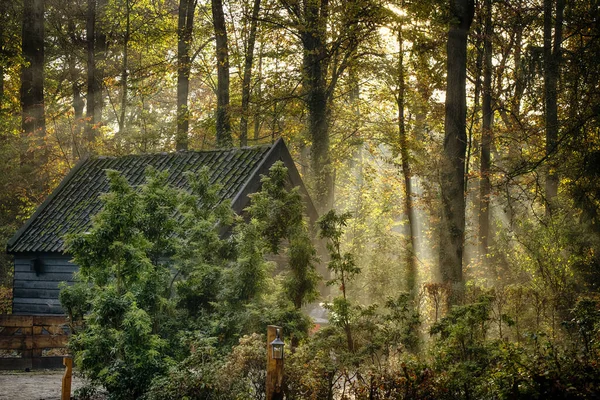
(248, 61)
(185, 26)
(452, 177)
(315, 72)
(124, 67)
(223, 118)
(486, 134)
(411, 264)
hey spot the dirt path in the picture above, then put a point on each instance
(35, 385)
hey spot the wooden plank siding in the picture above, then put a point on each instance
(35, 290)
(30, 336)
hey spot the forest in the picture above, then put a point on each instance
(452, 148)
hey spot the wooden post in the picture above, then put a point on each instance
(66, 380)
(274, 367)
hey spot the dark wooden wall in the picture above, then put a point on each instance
(35, 286)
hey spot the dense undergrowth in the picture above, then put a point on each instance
(166, 306)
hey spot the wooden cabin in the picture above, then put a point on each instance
(41, 262)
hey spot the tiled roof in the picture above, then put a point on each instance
(69, 208)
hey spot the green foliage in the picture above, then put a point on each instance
(122, 287)
(193, 378)
(167, 285)
(208, 375)
(200, 254)
(279, 216)
(331, 227)
(462, 352)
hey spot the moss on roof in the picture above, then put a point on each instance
(72, 204)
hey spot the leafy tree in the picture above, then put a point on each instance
(342, 265)
(120, 345)
(280, 216)
(462, 351)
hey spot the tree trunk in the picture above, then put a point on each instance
(124, 66)
(90, 32)
(100, 48)
(486, 134)
(96, 48)
(315, 71)
(411, 265)
(185, 27)
(3, 10)
(78, 103)
(257, 114)
(223, 118)
(32, 89)
(552, 55)
(248, 74)
(455, 141)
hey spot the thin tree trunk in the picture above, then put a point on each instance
(3, 10)
(486, 134)
(184, 31)
(223, 118)
(411, 265)
(518, 75)
(78, 105)
(248, 74)
(124, 66)
(32, 90)
(552, 55)
(259, 97)
(90, 31)
(455, 142)
(100, 48)
(96, 48)
(78, 102)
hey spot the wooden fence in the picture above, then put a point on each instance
(32, 341)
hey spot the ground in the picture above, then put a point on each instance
(36, 385)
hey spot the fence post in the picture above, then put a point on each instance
(274, 366)
(66, 380)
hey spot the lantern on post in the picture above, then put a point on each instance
(277, 347)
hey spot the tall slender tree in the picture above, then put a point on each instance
(96, 49)
(3, 11)
(314, 41)
(223, 116)
(32, 90)
(76, 86)
(486, 133)
(248, 61)
(452, 177)
(411, 261)
(325, 59)
(552, 57)
(185, 26)
(125, 67)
